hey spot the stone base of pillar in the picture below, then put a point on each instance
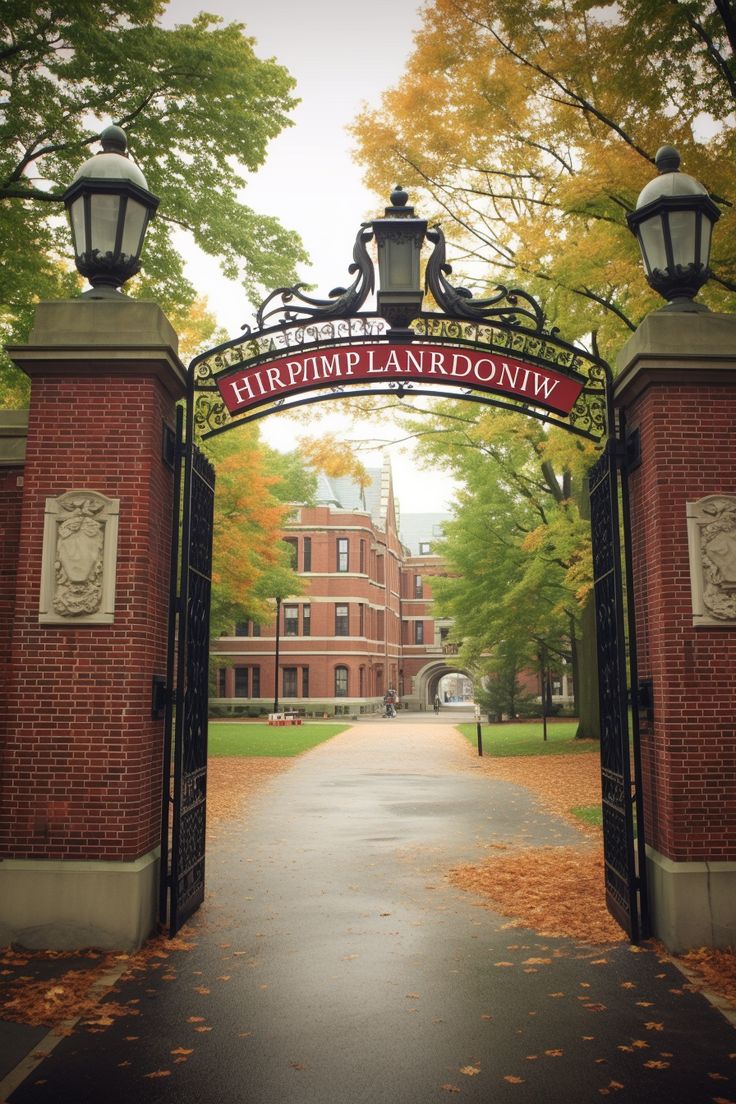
(692, 904)
(67, 906)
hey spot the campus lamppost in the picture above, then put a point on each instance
(673, 221)
(109, 209)
(399, 237)
(276, 656)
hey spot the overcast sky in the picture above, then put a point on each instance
(342, 55)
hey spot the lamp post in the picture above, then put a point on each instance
(672, 222)
(399, 237)
(276, 656)
(109, 209)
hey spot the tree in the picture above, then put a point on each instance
(199, 108)
(251, 563)
(498, 689)
(518, 548)
(534, 136)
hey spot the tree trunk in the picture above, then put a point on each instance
(586, 676)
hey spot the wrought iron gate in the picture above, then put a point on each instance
(624, 861)
(185, 760)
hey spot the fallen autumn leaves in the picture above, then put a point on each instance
(557, 891)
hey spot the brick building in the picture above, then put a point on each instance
(365, 622)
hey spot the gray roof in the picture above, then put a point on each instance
(419, 529)
(345, 494)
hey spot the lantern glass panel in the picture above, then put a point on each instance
(400, 266)
(682, 229)
(76, 218)
(706, 229)
(652, 243)
(135, 224)
(104, 210)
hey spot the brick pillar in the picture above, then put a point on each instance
(677, 386)
(80, 803)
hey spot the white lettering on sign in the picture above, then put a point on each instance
(474, 368)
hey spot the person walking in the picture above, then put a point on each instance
(437, 703)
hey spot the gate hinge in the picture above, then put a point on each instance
(627, 452)
(159, 697)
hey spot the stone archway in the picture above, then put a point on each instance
(427, 680)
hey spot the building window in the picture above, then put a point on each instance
(418, 589)
(305, 682)
(288, 682)
(293, 552)
(307, 554)
(341, 621)
(342, 554)
(424, 548)
(381, 626)
(306, 620)
(361, 682)
(341, 682)
(222, 682)
(418, 632)
(361, 619)
(255, 677)
(291, 620)
(256, 629)
(241, 682)
(241, 628)
(362, 557)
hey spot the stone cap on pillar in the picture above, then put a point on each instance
(676, 348)
(102, 337)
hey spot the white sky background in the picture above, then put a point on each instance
(342, 56)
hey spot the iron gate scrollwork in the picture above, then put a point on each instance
(185, 783)
(624, 881)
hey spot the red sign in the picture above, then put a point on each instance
(427, 364)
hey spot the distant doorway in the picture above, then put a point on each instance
(455, 689)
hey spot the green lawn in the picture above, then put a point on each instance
(589, 814)
(526, 738)
(262, 739)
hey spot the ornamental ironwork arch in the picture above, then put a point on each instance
(499, 351)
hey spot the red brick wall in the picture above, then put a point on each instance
(688, 445)
(11, 497)
(82, 761)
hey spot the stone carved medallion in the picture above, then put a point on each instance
(79, 559)
(711, 523)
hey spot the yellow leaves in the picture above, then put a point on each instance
(449, 1088)
(182, 1050)
(652, 1026)
(611, 1087)
(513, 1079)
(336, 458)
(470, 1071)
(654, 1063)
(158, 1073)
(555, 1052)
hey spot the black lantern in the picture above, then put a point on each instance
(399, 237)
(109, 208)
(673, 222)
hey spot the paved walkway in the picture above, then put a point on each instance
(335, 965)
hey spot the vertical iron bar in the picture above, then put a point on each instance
(165, 861)
(634, 679)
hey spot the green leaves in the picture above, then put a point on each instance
(534, 137)
(199, 107)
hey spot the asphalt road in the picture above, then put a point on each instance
(334, 964)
